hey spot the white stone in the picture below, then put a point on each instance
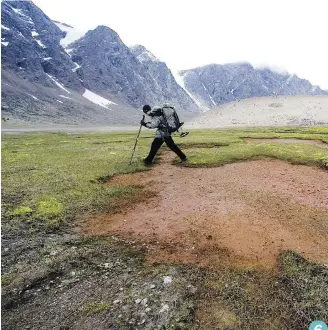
(165, 308)
(167, 279)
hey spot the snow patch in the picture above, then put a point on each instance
(180, 80)
(20, 13)
(4, 27)
(57, 83)
(72, 34)
(77, 66)
(34, 34)
(314, 88)
(209, 95)
(147, 56)
(34, 97)
(40, 43)
(59, 101)
(289, 79)
(69, 50)
(65, 97)
(97, 99)
(47, 58)
(5, 43)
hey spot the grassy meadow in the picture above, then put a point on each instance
(51, 177)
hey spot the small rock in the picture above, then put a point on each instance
(167, 279)
(73, 273)
(153, 286)
(106, 265)
(137, 301)
(144, 301)
(53, 253)
(164, 308)
(147, 309)
(192, 289)
(117, 301)
(6, 249)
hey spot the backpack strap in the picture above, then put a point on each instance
(165, 120)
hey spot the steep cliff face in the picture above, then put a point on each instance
(106, 65)
(31, 46)
(170, 90)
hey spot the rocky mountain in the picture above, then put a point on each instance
(215, 84)
(52, 72)
(30, 46)
(171, 91)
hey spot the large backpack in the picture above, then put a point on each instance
(171, 119)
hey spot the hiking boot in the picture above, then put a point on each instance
(147, 162)
(183, 160)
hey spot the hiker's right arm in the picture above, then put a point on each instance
(152, 124)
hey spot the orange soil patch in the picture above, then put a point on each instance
(313, 142)
(241, 214)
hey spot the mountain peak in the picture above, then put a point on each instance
(103, 34)
(143, 54)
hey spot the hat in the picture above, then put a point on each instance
(146, 108)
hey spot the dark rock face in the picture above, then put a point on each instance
(33, 48)
(215, 84)
(133, 75)
(171, 91)
(108, 66)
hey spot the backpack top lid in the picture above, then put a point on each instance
(167, 105)
(156, 111)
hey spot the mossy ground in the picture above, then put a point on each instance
(51, 177)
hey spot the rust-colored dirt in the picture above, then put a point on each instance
(240, 215)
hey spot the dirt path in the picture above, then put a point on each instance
(241, 214)
(317, 143)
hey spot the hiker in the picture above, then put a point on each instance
(166, 121)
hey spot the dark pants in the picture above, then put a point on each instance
(157, 144)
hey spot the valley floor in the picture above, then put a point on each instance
(236, 238)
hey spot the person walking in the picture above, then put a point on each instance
(166, 121)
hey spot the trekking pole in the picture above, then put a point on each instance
(134, 149)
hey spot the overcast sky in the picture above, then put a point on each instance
(287, 34)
